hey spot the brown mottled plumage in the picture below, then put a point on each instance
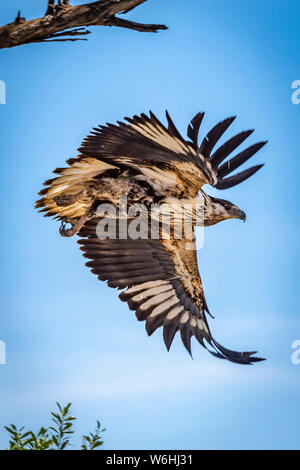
(151, 164)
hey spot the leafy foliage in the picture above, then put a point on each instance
(93, 440)
(55, 437)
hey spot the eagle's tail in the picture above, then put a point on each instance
(70, 182)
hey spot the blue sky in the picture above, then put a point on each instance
(68, 337)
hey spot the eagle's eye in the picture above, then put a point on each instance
(227, 207)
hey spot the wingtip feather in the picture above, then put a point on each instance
(245, 357)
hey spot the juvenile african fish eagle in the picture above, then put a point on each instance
(149, 163)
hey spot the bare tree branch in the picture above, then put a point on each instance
(63, 22)
(147, 28)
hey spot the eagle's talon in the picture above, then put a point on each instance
(67, 232)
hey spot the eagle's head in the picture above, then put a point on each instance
(220, 209)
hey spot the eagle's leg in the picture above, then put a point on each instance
(76, 224)
(65, 200)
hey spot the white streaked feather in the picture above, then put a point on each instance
(160, 136)
(151, 292)
(184, 317)
(157, 299)
(174, 312)
(164, 306)
(145, 285)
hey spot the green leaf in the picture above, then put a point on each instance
(64, 445)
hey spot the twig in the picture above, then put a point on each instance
(146, 28)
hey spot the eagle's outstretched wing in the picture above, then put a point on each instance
(146, 143)
(160, 282)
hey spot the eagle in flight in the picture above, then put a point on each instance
(149, 163)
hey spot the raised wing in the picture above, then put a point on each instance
(171, 164)
(160, 282)
(152, 149)
(146, 143)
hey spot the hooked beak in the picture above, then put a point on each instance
(242, 215)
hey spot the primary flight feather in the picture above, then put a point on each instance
(151, 165)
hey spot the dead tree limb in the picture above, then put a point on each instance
(63, 22)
